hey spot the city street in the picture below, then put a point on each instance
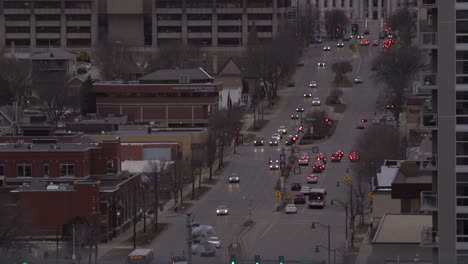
(277, 234)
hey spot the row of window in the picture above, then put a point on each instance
(83, 42)
(47, 30)
(178, 17)
(47, 17)
(45, 4)
(67, 169)
(219, 3)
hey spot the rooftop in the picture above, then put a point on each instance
(401, 229)
(173, 75)
(56, 54)
(21, 147)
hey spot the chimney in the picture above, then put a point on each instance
(215, 64)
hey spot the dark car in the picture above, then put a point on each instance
(258, 141)
(315, 40)
(291, 140)
(296, 186)
(317, 168)
(299, 198)
(335, 157)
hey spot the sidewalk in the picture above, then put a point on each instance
(168, 211)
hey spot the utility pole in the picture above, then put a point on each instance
(189, 237)
(329, 247)
(351, 213)
(134, 218)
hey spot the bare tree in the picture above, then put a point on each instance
(15, 78)
(397, 70)
(177, 55)
(272, 62)
(341, 69)
(85, 235)
(116, 60)
(335, 95)
(179, 170)
(335, 19)
(56, 99)
(210, 152)
(223, 124)
(88, 98)
(321, 128)
(308, 23)
(391, 146)
(404, 22)
(12, 226)
(152, 189)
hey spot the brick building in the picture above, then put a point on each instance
(57, 182)
(172, 98)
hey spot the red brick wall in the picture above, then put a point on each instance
(54, 158)
(49, 209)
(107, 110)
(60, 139)
(154, 112)
(201, 112)
(180, 112)
(133, 112)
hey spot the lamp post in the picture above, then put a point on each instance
(333, 249)
(345, 205)
(328, 229)
(351, 207)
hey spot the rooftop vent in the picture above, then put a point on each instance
(184, 78)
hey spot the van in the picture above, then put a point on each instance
(141, 256)
(317, 198)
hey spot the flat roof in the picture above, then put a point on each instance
(21, 147)
(401, 228)
(174, 75)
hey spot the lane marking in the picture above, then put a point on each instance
(268, 229)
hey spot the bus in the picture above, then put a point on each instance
(316, 198)
(141, 256)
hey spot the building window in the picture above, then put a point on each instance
(45, 168)
(2, 169)
(24, 169)
(67, 169)
(110, 167)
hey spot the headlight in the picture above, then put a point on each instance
(217, 211)
(262, 141)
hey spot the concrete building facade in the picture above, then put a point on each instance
(79, 25)
(443, 28)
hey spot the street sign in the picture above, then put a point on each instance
(346, 178)
(370, 196)
(282, 157)
(277, 193)
(297, 170)
(315, 150)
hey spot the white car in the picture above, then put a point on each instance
(305, 189)
(282, 130)
(316, 101)
(326, 48)
(234, 178)
(214, 241)
(274, 165)
(276, 136)
(222, 210)
(313, 84)
(290, 209)
(321, 64)
(358, 79)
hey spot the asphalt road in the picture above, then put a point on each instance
(276, 234)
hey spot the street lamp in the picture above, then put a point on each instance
(345, 205)
(328, 228)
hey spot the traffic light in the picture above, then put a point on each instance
(257, 259)
(337, 29)
(25, 262)
(281, 260)
(327, 120)
(233, 259)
